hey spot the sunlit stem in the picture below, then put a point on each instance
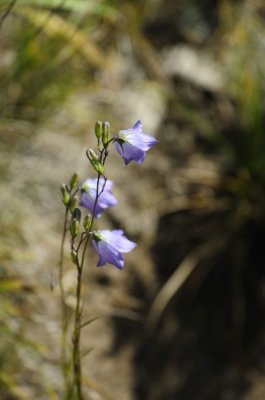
(64, 314)
(77, 367)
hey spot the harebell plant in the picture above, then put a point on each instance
(84, 203)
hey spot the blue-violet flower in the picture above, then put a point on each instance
(89, 192)
(110, 245)
(132, 144)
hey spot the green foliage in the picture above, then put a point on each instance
(49, 54)
(244, 56)
(35, 81)
(101, 8)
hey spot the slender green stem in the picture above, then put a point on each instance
(76, 337)
(78, 312)
(64, 317)
(61, 261)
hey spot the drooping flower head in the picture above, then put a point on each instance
(110, 246)
(132, 144)
(89, 192)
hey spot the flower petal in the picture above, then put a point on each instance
(130, 153)
(133, 143)
(108, 254)
(106, 199)
(92, 184)
(88, 202)
(118, 240)
(141, 140)
(138, 126)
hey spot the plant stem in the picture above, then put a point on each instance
(76, 337)
(78, 311)
(64, 318)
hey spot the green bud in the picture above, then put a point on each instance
(99, 168)
(76, 214)
(73, 203)
(66, 197)
(106, 133)
(94, 160)
(92, 156)
(85, 188)
(74, 257)
(74, 227)
(87, 222)
(98, 129)
(74, 181)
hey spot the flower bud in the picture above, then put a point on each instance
(76, 214)
(94, 160)
(74, 181)
(106, 133)
(98, 129)
(74, 257)
(66, 197)
(84, 188)
(92, 156)
(99, 168)
(87, 222)
(73, 203)
(74, 227)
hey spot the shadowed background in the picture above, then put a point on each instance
(184, 320)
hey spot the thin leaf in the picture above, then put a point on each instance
(89, 321)
(86, 352)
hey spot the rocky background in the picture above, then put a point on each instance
(184, 320)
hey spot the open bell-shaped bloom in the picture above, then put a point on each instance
(133, 143)
(89, 192)
(110, 246)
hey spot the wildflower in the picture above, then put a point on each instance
(89, 192)
(110, 245)
(132, 144)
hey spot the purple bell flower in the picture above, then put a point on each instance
(88, 197)
(110, 245)
(132, 144)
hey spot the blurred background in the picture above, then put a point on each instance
(185, 319)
